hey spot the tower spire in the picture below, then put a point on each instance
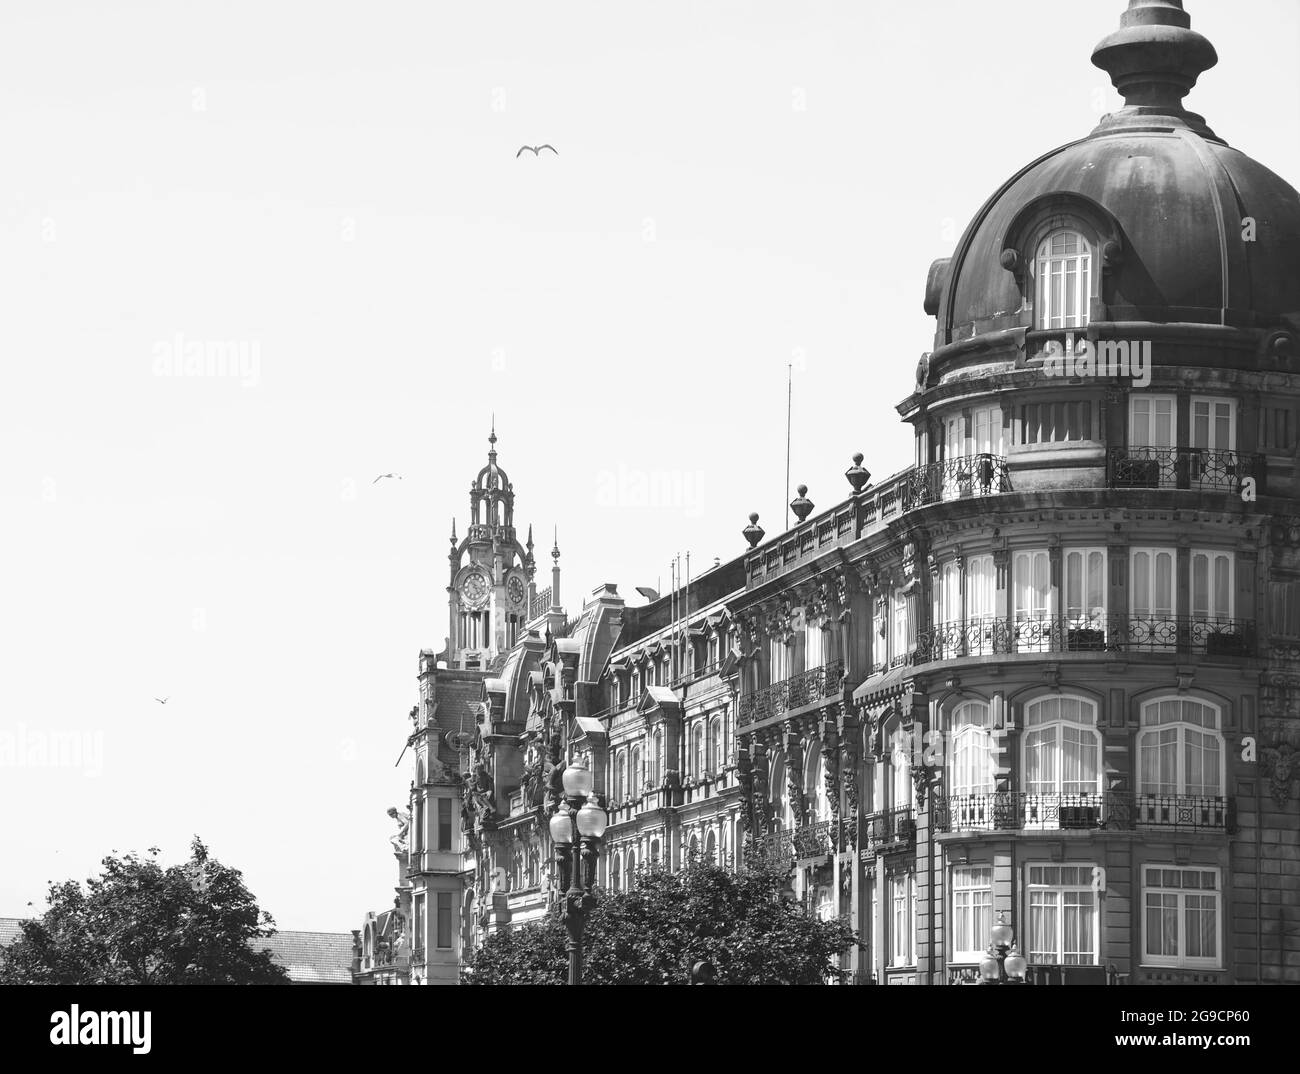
(492, 440)
(1154, 60)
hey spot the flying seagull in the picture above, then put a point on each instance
(382, 476)
(162, 700)
(536, 150)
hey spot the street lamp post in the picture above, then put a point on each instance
(1002, 963)
(576, 829)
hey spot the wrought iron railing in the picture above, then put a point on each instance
(893, 829)
(1184, 468)
(791, 693)
(540, 604)
(1206, 635)
(797, 844)
(956, 479)
(1109, 810)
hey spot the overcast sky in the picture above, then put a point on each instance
(333, 190)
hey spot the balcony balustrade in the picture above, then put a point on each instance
(1198, 469)
(956, 479)
(792, 693)
(890, 830)
(807, 842)
(1100, 810)
(1202, 635)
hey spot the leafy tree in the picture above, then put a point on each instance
(139, 923)
(653, 932)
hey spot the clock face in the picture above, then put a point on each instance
(515, 590)
(474, 588)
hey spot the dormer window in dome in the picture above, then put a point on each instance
(1062, 281)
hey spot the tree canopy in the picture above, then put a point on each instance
(138, 923)
(657, 929)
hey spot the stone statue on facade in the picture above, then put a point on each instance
(403, 819)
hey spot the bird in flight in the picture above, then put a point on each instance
(536, 150)
(162, 700)
(382, 476)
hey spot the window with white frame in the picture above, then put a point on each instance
(1182, 914)
(949, 595)
(716, 757)
(1153, 600)
(1212, 584)
(419, 939)
(1180, 748)
(778, 659)
(1032, 572)
(1084, 587)
(1214, 424)
(815, 785)
(1063, 281)
(1151, 421)
(1061, 746)
(972, 911)
(971, 756)
(814, 644)
(615, 871)
(1061, 914)
(620, 779)
(699, 760)
(657, 758)
(900, 770)
(1058, 422)
(902, 919)
(904, 626)
(636, 776)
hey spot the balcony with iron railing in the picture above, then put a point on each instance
(1187, 635)
(807, 688)
(888, 831)
(808, 842)
(960, 478)
(1194, 469)
(1090, 811)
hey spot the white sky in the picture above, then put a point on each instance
(336, 184)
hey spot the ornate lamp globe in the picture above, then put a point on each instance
(577, 780)
(1016, 965)
(1002, 933)
(989, 967)
(592, 820)
(561, 828)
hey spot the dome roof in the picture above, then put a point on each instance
(1166, 201)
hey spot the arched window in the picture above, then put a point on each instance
(614, 879)
(693, 849)
(636, 776)
(631, 867)
(697, 751)
(1063, 281)
(715, 745)
(1061, 747)
(779, 793)
(1180, 748)
(654, 851)
(657, 771)
(620, 784)
(711, 848)
(970, 765)
(814, 787)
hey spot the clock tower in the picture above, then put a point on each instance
(491, 588)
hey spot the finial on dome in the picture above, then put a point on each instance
(492, 439)
(1155, 58)
(555, 547)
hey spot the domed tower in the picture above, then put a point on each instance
(1104, 496)
(491, 584)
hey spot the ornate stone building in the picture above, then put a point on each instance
(1048, 672)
